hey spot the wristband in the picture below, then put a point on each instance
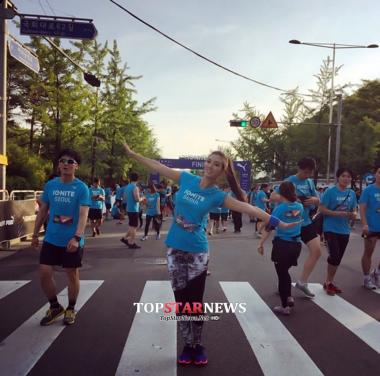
(273, 221)
(77, 238)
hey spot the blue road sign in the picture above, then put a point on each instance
(19, 52)
(57, 28)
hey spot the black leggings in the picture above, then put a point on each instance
(141, 218)
(156, 225)
(237, 219)
(284, 255)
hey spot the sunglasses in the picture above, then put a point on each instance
(67, 161)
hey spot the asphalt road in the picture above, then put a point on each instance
(327, 335)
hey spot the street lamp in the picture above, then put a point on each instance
(333, 46)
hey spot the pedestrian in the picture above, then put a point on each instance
(338, 206)
(141, 210)
(187, 240)
(67, 200)
(214, 220)
(261, 203)
(153, 211)
(370, 217)
(108, 201)
(286, 244)
(308, 196)
(119, 191)
(132, 201)
(95, 214)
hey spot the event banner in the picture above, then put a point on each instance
(16, 218)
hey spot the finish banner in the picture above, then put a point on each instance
(16, 219)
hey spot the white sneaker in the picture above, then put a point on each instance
(158, 237)
(144, 238)
(368, 284)
(375, 278)
(283, 311)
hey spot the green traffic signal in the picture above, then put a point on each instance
(244, 123)
(239, 123)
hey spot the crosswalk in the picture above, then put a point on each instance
(151, 344)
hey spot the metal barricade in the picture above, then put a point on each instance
(4, 195)
(22, 195)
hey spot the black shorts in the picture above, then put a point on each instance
(215, 216)
(308, 233)
(133, 219)
(336, 246)
(224, 216)
(285, 252)
(54, 255)
(108, 206)
(373, 235)
(95, 214)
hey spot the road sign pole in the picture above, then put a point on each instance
(3, 92)
(338, 131)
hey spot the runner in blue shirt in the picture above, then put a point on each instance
(338, 207)
(66, 199)
(95, 214)
(286, 244)
(108, 201)
(153, 211)
(214, 220)
(369, 204)
(132, 200)
(307, 195)
(187, 241)
(261, 202)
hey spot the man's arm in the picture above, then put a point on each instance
(41, 217)
(73, 244)
(363, 217)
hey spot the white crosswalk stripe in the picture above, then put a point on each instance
(7, 287)
(152, 344)
(271, 342)
(24, 347)
(355, 320)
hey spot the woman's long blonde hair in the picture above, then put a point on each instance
(228, 168)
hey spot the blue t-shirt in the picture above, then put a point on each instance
(108, 194)
(133, 206)
(252, 198)
(331, 199)
(94, 192)
(371, 197)
(64, 200)
(115, 212)
(193, 204)
(216, 210)
(119, 193)
(261, 198)
(151, 203)
(289, 212)
(306, 189)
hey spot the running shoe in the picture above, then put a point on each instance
(290, 301)
(336, 288)
(200, 357)
(158, 237)
(134, 246)
(224, 229)
(305, 289)
(375, 278)
(69, 318)
(97, 231)
(368, 284)
(329, 288)
(51, 315)
(144, 238)
(282, 310)
(93, 234)
(187, 355)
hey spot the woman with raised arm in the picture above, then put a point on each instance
(187, 240)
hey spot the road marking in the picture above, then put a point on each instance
(151, 345)
(276, 350)
(355, 320)
(7, 287)
(22, 349)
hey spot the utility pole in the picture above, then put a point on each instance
(338, 131)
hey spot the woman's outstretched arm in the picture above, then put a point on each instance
(152, 164)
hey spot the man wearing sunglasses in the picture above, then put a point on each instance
(66, 200)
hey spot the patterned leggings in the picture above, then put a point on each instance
(187, 272)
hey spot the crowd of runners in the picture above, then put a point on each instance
(199, 207)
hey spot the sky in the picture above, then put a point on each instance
(196, 100)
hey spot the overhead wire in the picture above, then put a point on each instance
(289, 92)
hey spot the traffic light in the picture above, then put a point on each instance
(239, 123)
